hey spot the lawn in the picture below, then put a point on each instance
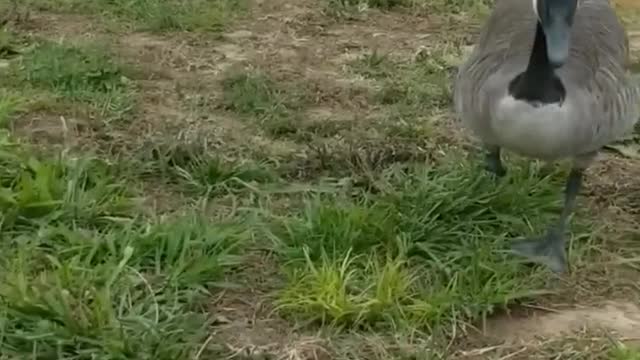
(244, 179)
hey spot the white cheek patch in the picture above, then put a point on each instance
(535, 8)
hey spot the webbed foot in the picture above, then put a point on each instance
(547, 250)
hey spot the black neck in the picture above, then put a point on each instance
(538, 83)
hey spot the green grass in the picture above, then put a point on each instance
(256, 95)
(84, 76)
(196, 171)
(123, 293)
(85, 275)
(157, 15)
(622, 352)
(424, 252)
(391, 243)
(10, 104)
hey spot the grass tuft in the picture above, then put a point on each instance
(35, 191)
(256, 95)
(200, 173)
(83, 274)
(10, 104)
(126, 293)
(622, 352)
(433, 237)
(81, 75)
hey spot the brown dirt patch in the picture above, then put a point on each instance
(43, 128)
(63, 27)
(623, 318)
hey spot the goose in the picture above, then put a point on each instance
(548, 80)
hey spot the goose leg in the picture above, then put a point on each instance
(549, 249)
(493, 162)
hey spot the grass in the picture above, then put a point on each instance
(622, 352)
(85, 77)
(424, 251)
(10, 104)
(418, 86)
(157, 15)
(84, 274)
(351, 8)
(198, 172)
(255, 94)
(255, 228)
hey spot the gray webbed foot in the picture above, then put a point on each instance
(547, 250)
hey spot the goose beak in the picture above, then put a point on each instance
(557, 35)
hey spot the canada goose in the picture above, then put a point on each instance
(547, 80)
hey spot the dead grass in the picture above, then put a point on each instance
(258, 180)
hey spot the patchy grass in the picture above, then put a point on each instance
(157, 15)
(256, 95)
(85, 76)
(421, 85)
(351, 8)
(320, 210)
(198, 172)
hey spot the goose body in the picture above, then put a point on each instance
(548, 80)
(601, 102)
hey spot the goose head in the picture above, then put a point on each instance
(555, 17)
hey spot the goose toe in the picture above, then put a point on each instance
(547, 250)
